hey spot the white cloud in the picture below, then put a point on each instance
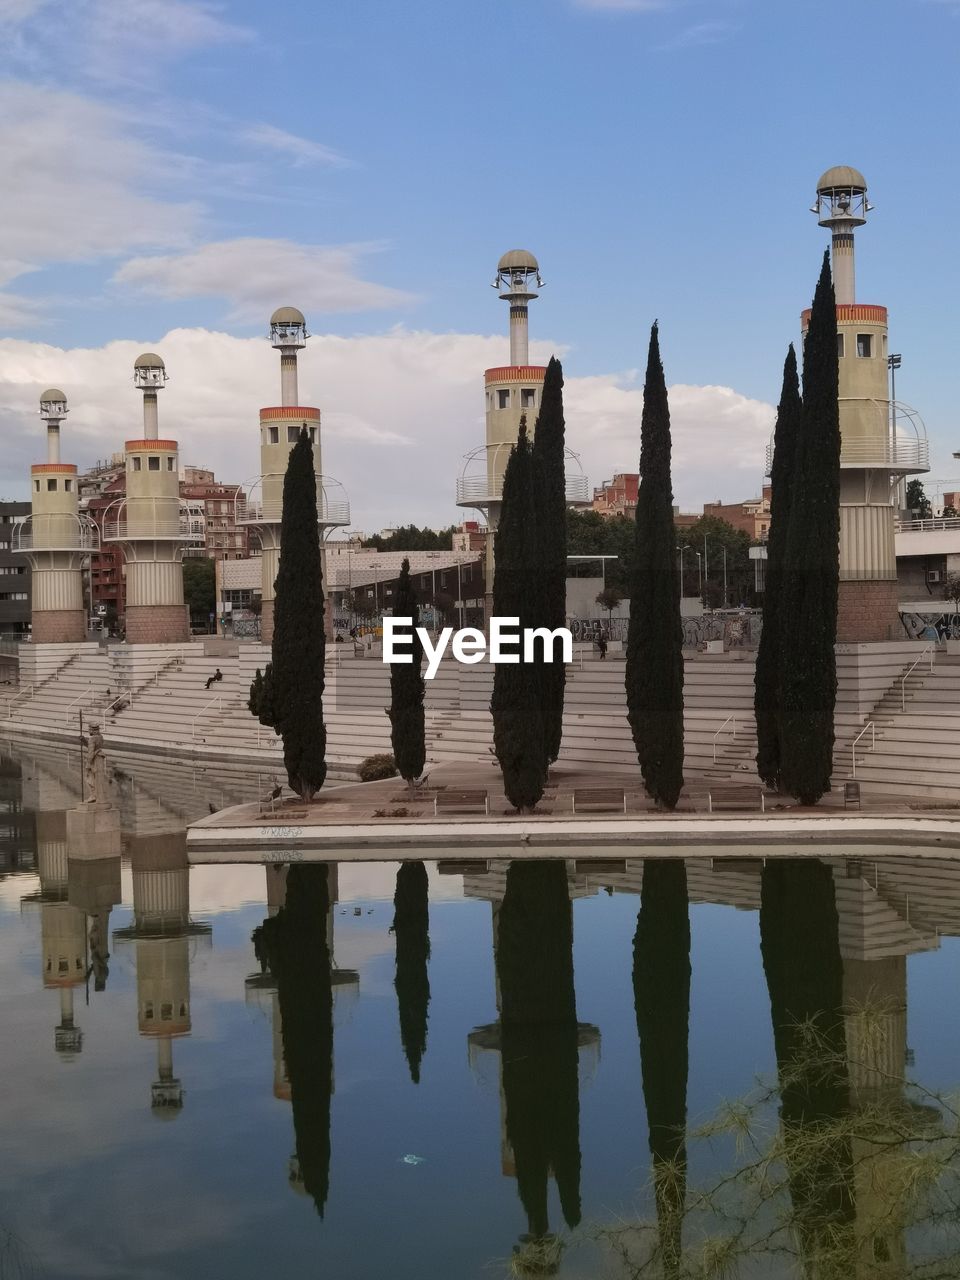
(78, 184)
(400, 411)
(300, 151)
(253, 273)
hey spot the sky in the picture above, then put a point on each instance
(173, 170)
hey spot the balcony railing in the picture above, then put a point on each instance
(902, 454)
(935, 524)
(480, 490)
(330, 512)
(141, 527)
(62, 533)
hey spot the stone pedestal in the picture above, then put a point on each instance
(93, 831)
(93, 884)
(58, 626)
(868, 612)
(157, 624)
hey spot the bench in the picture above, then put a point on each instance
(460, 802)
(851, 794)
(599, 799)
(736, 798)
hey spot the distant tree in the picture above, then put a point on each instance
(590, 533)
(411, 928)
(411, 537)
(654, 671)
(609, 598)
(445, 605)
(293, 946)
(721, 536)
(298, 630)
(516, 704)
(949, 512)
(918, 504)
(766, 695)
(551, 515)
(951, 590)
(200, 587)
(407, 724)
(811, 566)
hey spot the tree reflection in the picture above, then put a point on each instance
(411, 925)
(661, 993)
(293, 944)
(800, 945)
(539, 1031)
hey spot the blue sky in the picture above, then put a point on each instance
(183, 166)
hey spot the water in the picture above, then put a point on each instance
(202, 1101)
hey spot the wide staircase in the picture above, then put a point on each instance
(78, 685)
(913, 748)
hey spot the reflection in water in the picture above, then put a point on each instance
(293, 944)
(538, 1017)
(799, 941)
(661, 992)
(411, 925)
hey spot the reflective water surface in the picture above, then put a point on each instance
(739, 1067)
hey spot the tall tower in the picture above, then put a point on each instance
(875, 454)
(147, 523)
(511, 391)
(55, 539)
(280, 427)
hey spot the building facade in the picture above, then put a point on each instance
(15, 575)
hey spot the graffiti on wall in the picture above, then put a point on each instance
(740, 630)
(943, 625)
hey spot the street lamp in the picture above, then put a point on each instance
(726, 598)
(699, 574)
(680, 551)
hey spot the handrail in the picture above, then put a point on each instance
(27, 692)
(87, 692)
(928, 650)
(853, 746)
(193, 723)
(720, 730)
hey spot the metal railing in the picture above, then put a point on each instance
(125, 695)
(928, 652)
(26, 692)
(720, 730)
(481, 489)
(88, 692)
(275, 741)
(330, 511)
(902, 454)
(933, 524)
(218, 700)
(853, 746)
(58, 531)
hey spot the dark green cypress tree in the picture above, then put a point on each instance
(298, 629)
(551, 506)
(799, 942)
(293, 944)
(766, 696)
(810, 567)
(411, 928)
(407, 725)
(654, 670)
(539, 1037)
(260, 701)
(661, 993)
(516, 703)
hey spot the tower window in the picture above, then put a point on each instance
(36, 485)
(68, 485)
(528, 398)
(169, 464)
(273, 435)
(137, 464)
(864, 345)
(313, 434)
(840, 345)
(503, 399)
(51, 486)
(153, 463)
(293, 434)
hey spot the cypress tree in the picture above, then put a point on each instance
(298, 633)
(654, 670)
(766, 696)
(516, 703)
(799, 942)
(293, 944)
(551, 507)
(808, 631)
(661, 993)
(407, 727)
(539, 1036)
(411, 927)
(260, 701)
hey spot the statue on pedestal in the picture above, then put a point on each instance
(95, 767)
